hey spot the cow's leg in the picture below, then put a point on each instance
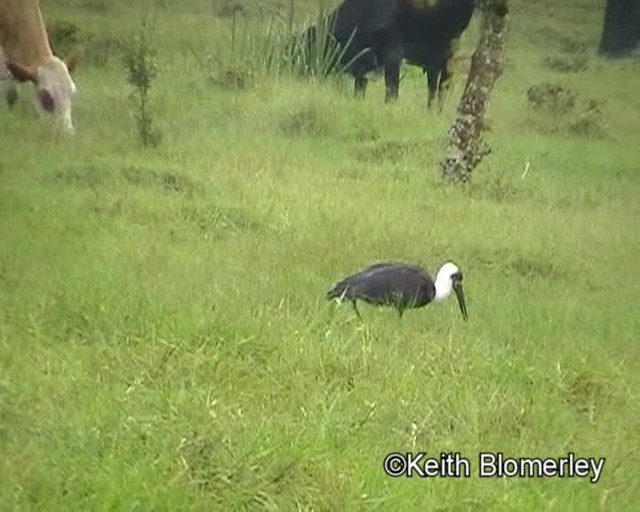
(444, 84)
(360, 85)
(388, 56)
(391, 79)
(432, 83)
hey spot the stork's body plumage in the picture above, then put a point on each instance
(400, 285)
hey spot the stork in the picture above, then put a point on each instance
(400, 285)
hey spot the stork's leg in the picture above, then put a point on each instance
(355, 308)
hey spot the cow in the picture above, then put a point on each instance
(25, 55)
(380, 34)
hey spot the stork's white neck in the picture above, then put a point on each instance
(443, 288)
(443, 282)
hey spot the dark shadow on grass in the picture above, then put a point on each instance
(385, 150)
(168, 181)
(214, 218)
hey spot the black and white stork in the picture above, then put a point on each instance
(400, 285)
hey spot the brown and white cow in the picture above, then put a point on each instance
(25, 55)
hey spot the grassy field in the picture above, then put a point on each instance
(165, 343)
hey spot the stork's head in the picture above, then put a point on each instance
(450, 277)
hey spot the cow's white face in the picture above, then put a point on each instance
(55, 90)
(54, 87)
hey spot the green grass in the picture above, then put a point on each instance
(164, 339)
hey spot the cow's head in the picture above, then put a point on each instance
(54, 87)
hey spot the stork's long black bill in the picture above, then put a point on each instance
(457, 287)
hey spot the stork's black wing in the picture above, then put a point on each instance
(396, 284)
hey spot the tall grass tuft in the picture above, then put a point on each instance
(275, 46)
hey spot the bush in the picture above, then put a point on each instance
(140, 63)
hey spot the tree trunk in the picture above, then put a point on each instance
(466, 148)
(621, 30)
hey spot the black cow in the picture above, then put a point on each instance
(380, 34)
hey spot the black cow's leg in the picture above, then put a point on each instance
(432, 83)
(360, 86)
(443, 86)
(392, 79)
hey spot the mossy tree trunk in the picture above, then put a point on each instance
(466, 148)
